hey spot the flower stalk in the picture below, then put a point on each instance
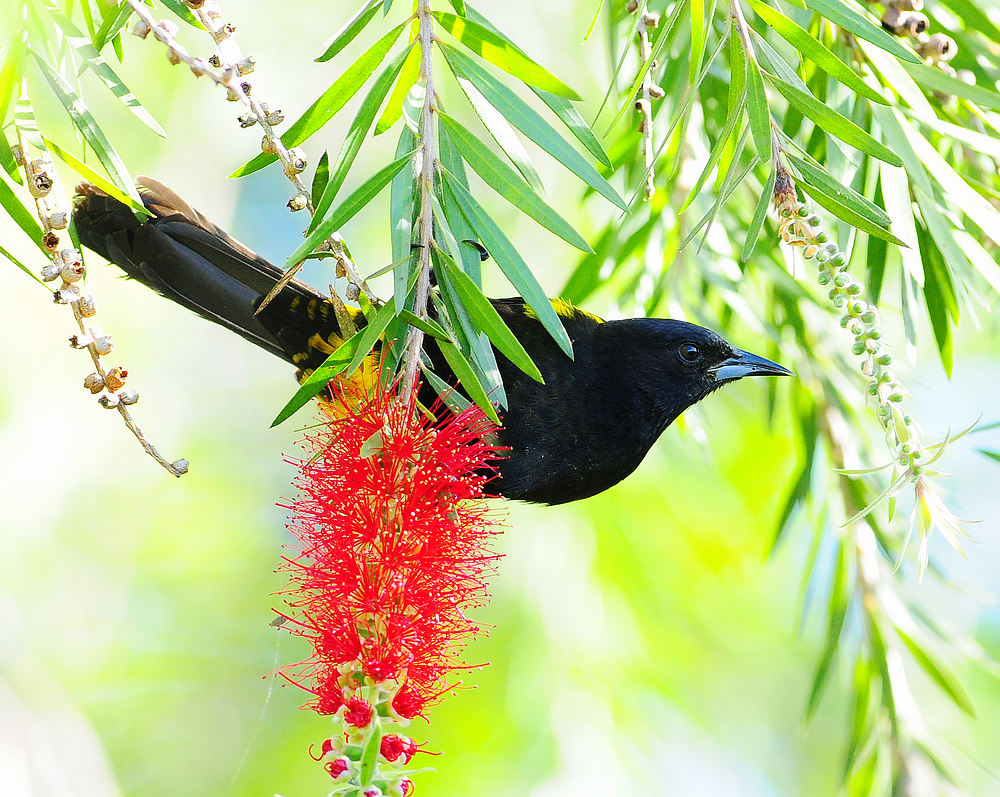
(425, 181)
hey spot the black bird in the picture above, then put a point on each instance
(585, 429)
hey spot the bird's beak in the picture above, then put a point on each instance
(743, 363)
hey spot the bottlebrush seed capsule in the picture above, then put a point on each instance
(72, 272)
(109, 401)
(88, 306)
(94, 383)
(824, 278)
(104, 344)
(50, 271)
(128, 396)
(116, 378)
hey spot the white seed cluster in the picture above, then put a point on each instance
(66, 270)
(800, 226)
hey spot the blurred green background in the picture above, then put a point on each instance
(641, 642)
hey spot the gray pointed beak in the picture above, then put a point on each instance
(743, 363)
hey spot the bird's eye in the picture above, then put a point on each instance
(689, 352)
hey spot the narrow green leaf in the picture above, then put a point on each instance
(697, 8)
(84, 121)
(727, 137)
(22, 217)
(757, 110)
(10, 76)
(370, 335)
(575, 123)
(737, 73)
(23, 267)
(815, 51)
(511, 263)
(348, 209)
(506, 182)
(501, 53)
(318, 379)
(408, 75)
(863, 27)
(320, 178)
(933, 79)
(7, 159)
(401, 212)
(454, 400)
(530, 122)
(845, 213)
(759, 214)
(938, 672)
(936, 301)
(485, 316)
(94, 60)
(426, 325)
(975, 18)
(467, 377)
(369, 757)
(459, 6)
(469, 256)
(97, 179)
(498, 127)
(468, 337)
(559, 105)
(836, 612)
(899, 207)
(113, 21)
(945, 255)
(986, 452)
(835, 124)
(180, 9)
(356, 135)
(964, 197)
(844, 194)
(351, 29)
(329, 103)
(593, 22)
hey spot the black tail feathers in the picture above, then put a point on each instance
(183, 256)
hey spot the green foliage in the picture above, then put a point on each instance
(768, 103)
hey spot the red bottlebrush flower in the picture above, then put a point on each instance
(393, 746)
(338, 767)
(359, 712)
(394, 537)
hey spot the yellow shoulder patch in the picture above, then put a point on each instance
(564, 310)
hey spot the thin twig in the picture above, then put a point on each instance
(644, 104)
(50, 206)
(228, 75)
(428, 164)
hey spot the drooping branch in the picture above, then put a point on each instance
(425, 184)
(227, 72)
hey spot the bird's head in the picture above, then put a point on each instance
(681, 363)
